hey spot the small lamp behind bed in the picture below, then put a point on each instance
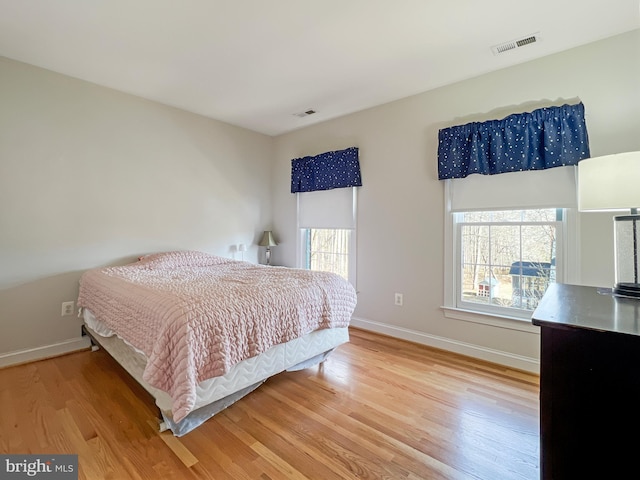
(268, 241)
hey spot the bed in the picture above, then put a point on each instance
(199, 331)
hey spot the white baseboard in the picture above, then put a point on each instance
(495, 356)
(47, 351)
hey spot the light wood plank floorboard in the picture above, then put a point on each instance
(377, 408)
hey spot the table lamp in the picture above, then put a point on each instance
(609, 183)
(267, 241)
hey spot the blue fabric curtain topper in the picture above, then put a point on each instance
(326, 171)
(544, 138)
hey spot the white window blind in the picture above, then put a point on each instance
(327, 208)
(551, 188)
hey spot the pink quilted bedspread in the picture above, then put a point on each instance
(195, 315)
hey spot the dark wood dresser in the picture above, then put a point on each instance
(589, 384)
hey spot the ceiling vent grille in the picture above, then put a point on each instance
(513, 44)
(306, 113)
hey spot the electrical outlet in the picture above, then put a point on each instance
(68, 308)
(399, 299)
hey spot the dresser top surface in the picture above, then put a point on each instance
(576, 306)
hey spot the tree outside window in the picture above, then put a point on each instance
(327, 249)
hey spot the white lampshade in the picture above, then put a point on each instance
(611, 182)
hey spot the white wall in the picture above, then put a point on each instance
(400, 217)
(90, 176)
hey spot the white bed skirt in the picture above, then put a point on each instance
(215, 394)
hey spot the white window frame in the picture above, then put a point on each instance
(352, 226)
(567, 272)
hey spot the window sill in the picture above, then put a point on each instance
(511, 323)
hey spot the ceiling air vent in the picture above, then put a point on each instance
(513, 44)
(305, 113)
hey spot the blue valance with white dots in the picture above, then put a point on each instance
(545, 138)
(328, 170)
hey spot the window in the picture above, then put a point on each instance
(504, 180)
(326, 195)
(507, 237)
(507, 259)
(327, 231)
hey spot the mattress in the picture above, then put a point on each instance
(215, 394)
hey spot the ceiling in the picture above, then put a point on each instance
(257, 63)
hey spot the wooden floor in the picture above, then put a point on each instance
(377, 408)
